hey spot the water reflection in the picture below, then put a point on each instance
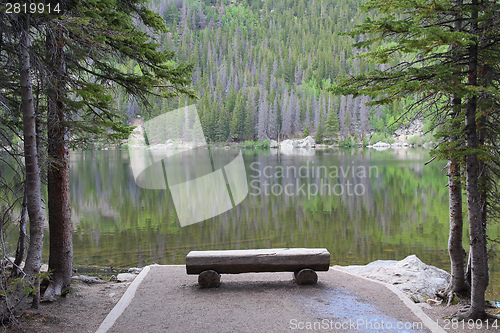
(381, 205)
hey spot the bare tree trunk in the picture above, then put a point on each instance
(17, 298)
(21, 242)
(483, 193)
(33, 181)
(455, 248)
(479, 259)
(61, 243)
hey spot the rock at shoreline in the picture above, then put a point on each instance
(307, 142)
(273, 144)
(382, 144)
(289, 145)
(415, 278)
(134, 270)
(286, 145)
(123, 277)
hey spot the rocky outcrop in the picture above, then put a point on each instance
(381, 144)
(416, 127)
(297, 146)
(123, 277)
(307, 142)
(415, 278)
(286, 145)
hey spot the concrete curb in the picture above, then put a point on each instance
(417, 311)
(123, 302)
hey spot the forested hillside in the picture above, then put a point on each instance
(261, 68)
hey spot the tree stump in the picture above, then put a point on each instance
(209, 279)
(305, 276)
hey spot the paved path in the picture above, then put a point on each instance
(166, 299)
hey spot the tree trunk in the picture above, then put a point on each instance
(479, 259)
(61, 243)
(21, 242)
(483, 184)
(17, 297)
(455, 248)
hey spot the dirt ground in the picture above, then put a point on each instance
(442, 314)
(86, 306)
(82, 310)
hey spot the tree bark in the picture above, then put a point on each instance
(456, 250)
(483, 185)
(17, 298)
(61, 243)
(21, 241)
(479, 259)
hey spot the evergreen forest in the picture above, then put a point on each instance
(261, 69)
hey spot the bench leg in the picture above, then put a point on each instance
(209, 279)
(306, 276)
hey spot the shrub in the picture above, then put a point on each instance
(306, 132)
(389, 139)
(347, 143)
(249, 144)
(416, 140)
(376, 137)
(256, 144)
(365, 142)
(264, 144)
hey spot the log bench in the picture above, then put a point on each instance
(302, 262)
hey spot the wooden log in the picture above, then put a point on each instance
(264, 260)
(306, 276)
(209, 279)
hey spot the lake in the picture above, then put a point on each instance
(360, 204)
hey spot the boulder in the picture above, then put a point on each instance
(381, 144)
(416, 127)
(134, 270)
(286, 145)
(122, 277)
(418, 280)
(273, 144)
(307, 142)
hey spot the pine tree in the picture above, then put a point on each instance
(262, 117)
(81, 43)
(436, 74)
(319, 134)
(331, 125)
(249, 128)
(237, 126)
(306, 132)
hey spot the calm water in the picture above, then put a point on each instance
(362, 205)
